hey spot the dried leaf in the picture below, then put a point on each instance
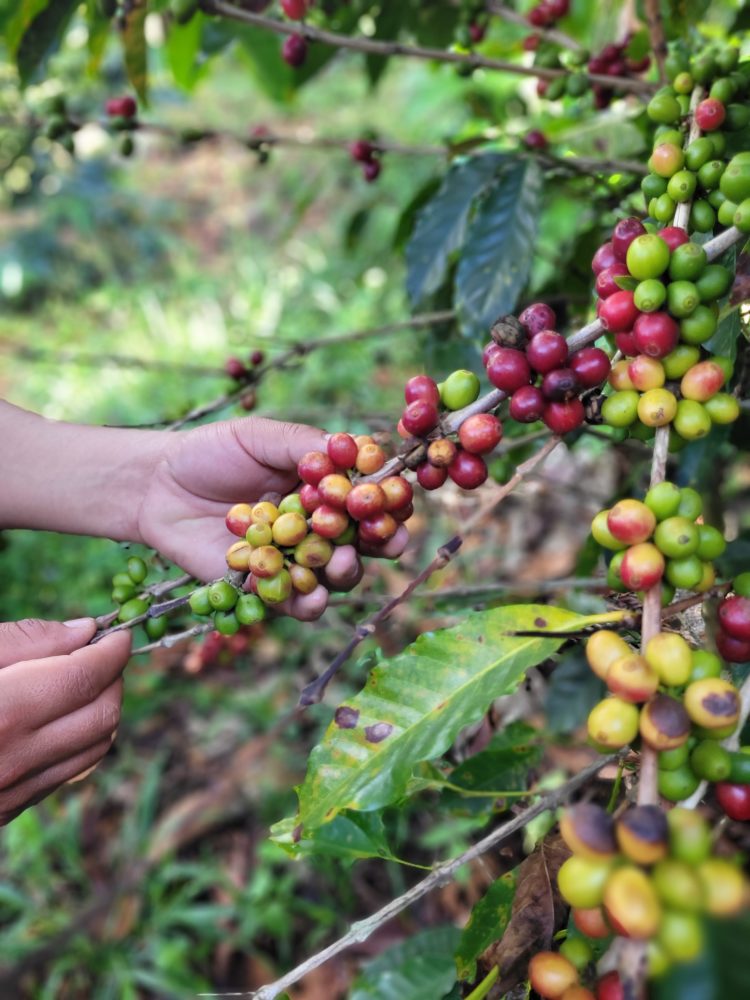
(538, 912)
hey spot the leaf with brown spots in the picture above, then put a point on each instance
(538, 912)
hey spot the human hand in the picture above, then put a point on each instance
(203, 472)
(59, 705)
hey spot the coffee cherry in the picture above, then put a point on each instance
(292, 504)
(259, 534)
(578, 951)
(294, 51)
(733, 650)
(631, 521)
(724, 885)
(441, 453)
(366, 500)
(603, 259)
(655, 334)
(664, 108)
(527, 404)
(562, 418)
(536, 317)
(613, 723)
(137, 569)
(699, 327)
(702, 381)
(603, 649)
(625, 343)
(460, 389)
(310, 498)
(680, 936)
(647, 256)
(467, 471)
(222, 596)
(489, 351)
(619, 377)
(225, 622)
(621, 408)
(623, 235)
(646, 373)
(689, 836)
(371, 457)
(361, 151)
(722, 408)
(313, 466)
(238, 556)
(581, 881)
(710, 114)
(712, 703)
(588, 830)
(235, 368)
(377, 529)
(676, 537)
(295, 10)
(617, 313)
(663, 499)
(398, 493)
(657, 407)
(632, 679)
(239, 518)
(266, 561)
(609, 987)
(422, 387)
(419, 418)
(605, 284)
(671, 760)
(711, 761)
(591, 922)
(509, 369)
(342, 450)
(674, 237)
(671, 657)
(711, 542)
(664, 723)
(550, 974)
(329, 522)
(431, 477)
(480, 433)
(642, 834)
(546, 350)
(276, 589)
(734, 617)
(631, 903)
(121, 107)
(313, 552)
(123, 592)
(333, 490)
(733, 799)
(199, 602)
(289, 529)
(133, 608)
(591, 366)
(561, 384)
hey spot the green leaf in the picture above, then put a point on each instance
(413, 705)
(573, 691)
(135, 49)
(728, 332)
(420, 968)
(625, 282)
(349, 837)
(441, 225)
(487, 923)
(42, 36)
(182, 47)
(496, 259)
(16, 18)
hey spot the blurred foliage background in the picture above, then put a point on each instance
(155, 877)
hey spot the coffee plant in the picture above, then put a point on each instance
(635, 864)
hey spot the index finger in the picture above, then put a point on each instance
(35, 692)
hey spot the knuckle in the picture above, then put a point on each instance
(26, 630)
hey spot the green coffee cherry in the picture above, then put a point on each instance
(711, 761)
(137, 569)
(699, 326)
(621, 408)
(249, 609)
(670, 760)
(680, 360)
(714, 282)
(460, 389)
(691, 504)
(678, 784)
(699, 151)
(685, 573)
(275, 589)
(681, 186)
(705, 664)
(132, 609)
(711, 542)
(156, 628)
(222, 596)
(663, 500)
(225, 622)
(687, 262)
(199, 602)
(702, 216)
(123, 593)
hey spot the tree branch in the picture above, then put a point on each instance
(656, 33)
(551, 34)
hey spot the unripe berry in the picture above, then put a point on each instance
(371, 457)
(631, 521)
(398, 493)
(724, 885)
(527, 404)
(603, 649)
(239, 518)
(562, 418)
(467, 471)
(663, 499)
(591, 922)
(289, 529)
(591, 365)
(422, 387)
(613, 723)
(480, 433)
(313, 466)
(304, 581)
(642, 834)
(431, 477)
(222, 596)
(441, 453)
(712, 703)
(313, 552)
(329, 522)
(238, 556)
(646, 373)
(276, 589)
(581, 881)
(249, 609)
(366, 500)
(689, 836)
(342, 450)
(459, 390)
(671, 657)
(420, 417)
(619, 377)
(631, 678)
(631, 903)
(664, 723)
(508, 369)
(266, 561)
(657, 407)
(550, 974)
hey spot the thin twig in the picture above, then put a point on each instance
(658, 38)
(443, 874)
(172, 640)
(380, 48)
(155, 590)
(682, 212)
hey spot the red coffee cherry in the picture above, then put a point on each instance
(328, 522)
(550, 973)
(398, 493)
(734, 617)
(710, 114)
(366, 500)
(295, 10)
(674, 237)
(121, 107)
(508, 369)
(294, 51)
(623, 235)
(342, 450)
(361, 150)
(605, 284)
(591, 365)
(538, 316)
(547, 350)
(734, 800)
(467, 471)
(313, 466)
(378, 529)
(731, 649)
(480, 433)
(655, 334)
(527, 404)
(531, 43)
(420, 417)
(235, 368)
(422, 387)
(535, 139)
(619, 311)
(431, 477)
(489, 351)
(603, 258)
(562, 418)
(371, 170)
(625, 342)
(561, 384)
(310, 498)
(334, 490)
(592, 922)
(609, 987)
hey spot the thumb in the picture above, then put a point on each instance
(33, 639)
(275, 443)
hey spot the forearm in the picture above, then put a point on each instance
(67, 477)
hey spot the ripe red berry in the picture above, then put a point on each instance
(733, 650)
(540, 16)
(477, 32)
(309, 497)
(710, 114)
(294, 51)
(542, 86)
(489, 351)
(655, 334)
(235, 368)
(535, 139)
(371, 170)
(467, 471)
(546, 350)
(609, 987)
(334, 490)
(431, 477)
(121, 107)
(538, 316)
(342, 450)
(480, 433)
(734, 800)
(313, 466)
(508, 369)
(562, 418)
(377, 529)
(561, 384)
(398, 493)
(623, 235)
(366, 500)
(361, 150)
(618, 312)
(295, 10)
(527, 404)
(420, 417)
(625, 342)
(605, 284)
(422, 387)
(734, 617)
(558, 8)
(674, 236)
(329, 522)
(591, 365)
(604, 257)
(531, 43)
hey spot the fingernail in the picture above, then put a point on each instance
(77, 622)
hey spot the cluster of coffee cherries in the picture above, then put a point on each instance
(364, 153)
(128, 594)
(58, 125)
(678, 174)
(644, 875)
(658, 297)
(658, 539)
(547, 13)
(472, 24)
(462, 460)
(733, 635)
(122, 112)
(529, 361)
(613, 60)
